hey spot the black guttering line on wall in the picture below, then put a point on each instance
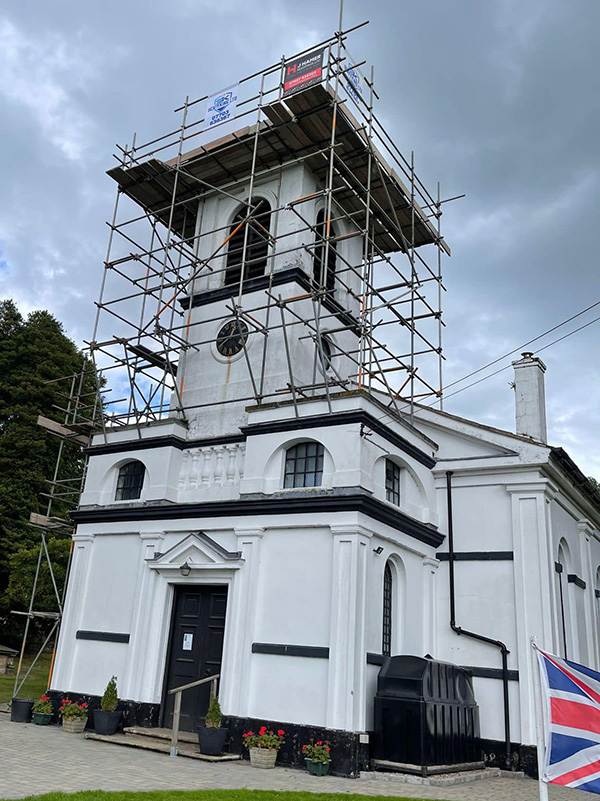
(343, 418)
(573, 578)
(482, 638)
(477, 556)
(278, 278)
(169, 441)
(475, 670)
(279, 649)
(353, 501)
(295, 424)
(102, 636)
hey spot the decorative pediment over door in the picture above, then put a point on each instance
(199, 552)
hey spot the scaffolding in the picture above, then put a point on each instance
(160, 256)
(158, 251)
(80, 407)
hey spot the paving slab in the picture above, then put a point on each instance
(43, 759)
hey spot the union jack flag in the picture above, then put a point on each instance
(572, 718)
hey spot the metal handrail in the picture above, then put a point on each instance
(177, 692)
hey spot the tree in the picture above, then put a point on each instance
(33, 352)
(595, 486)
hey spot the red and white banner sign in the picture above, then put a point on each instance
(300, 73)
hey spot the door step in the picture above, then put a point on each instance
(162, 734)
(160, 740)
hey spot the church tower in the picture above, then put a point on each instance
(271, 302)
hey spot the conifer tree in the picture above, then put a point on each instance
(33, 351)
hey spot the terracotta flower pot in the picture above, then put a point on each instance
(74, 725)
(263, 757)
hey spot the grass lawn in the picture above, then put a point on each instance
(36, 684)
(209, 795)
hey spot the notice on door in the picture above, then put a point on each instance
(188, 640)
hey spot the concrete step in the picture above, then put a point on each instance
(160, 744)
(162, 734)
(440, 779)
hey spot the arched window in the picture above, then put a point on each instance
(392, 482)
(257, 242)
(324, 275)
(563, 601)
(386, 632)
(304, 465)
(327, 347)
(130, 481)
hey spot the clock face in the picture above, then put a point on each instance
(232, 337)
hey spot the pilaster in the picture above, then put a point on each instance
(73, 610)
(586, 532)
(141, 651)
(430, 566)
(346, 706)
(535, 606)
(237, 662)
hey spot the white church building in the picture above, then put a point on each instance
(290, 546)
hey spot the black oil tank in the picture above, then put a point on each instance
(425, 714)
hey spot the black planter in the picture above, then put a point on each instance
(211, 741)
(20, 710)
(106, 722)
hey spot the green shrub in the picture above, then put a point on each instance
(213, 716)
(110, 700)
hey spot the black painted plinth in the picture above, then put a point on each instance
(523, 757)
(134, 713)
(348, 756)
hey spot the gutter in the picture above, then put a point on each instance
(474, 636)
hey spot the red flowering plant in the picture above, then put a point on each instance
(43, 706)
(264, 739)
(317, 751)
(70, 710)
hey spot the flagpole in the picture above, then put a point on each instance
(539, 715)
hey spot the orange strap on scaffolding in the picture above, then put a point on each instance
(223, 243)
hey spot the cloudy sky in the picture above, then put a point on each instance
(499, 99)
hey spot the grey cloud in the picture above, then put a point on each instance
(498, 100)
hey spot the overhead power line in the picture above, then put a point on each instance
(516, 350)
(539, 350)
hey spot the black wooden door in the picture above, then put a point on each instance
(195, 650)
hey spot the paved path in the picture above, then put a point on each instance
(42, 759)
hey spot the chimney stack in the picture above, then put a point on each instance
(530, 397)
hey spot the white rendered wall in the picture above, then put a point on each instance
(205, 376)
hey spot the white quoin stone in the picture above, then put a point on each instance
(530, 397)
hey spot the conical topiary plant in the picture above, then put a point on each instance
(213, 716)
(110, 699)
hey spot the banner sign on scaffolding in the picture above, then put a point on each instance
(221, 106)
(353, 83)
(300, 73)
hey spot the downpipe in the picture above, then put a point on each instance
(473, 635)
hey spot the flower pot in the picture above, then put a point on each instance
(211, 740)
(263, 757)
(42, 718)
(20, 710)
(317, 768)
(106, 722)
(74, 725)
